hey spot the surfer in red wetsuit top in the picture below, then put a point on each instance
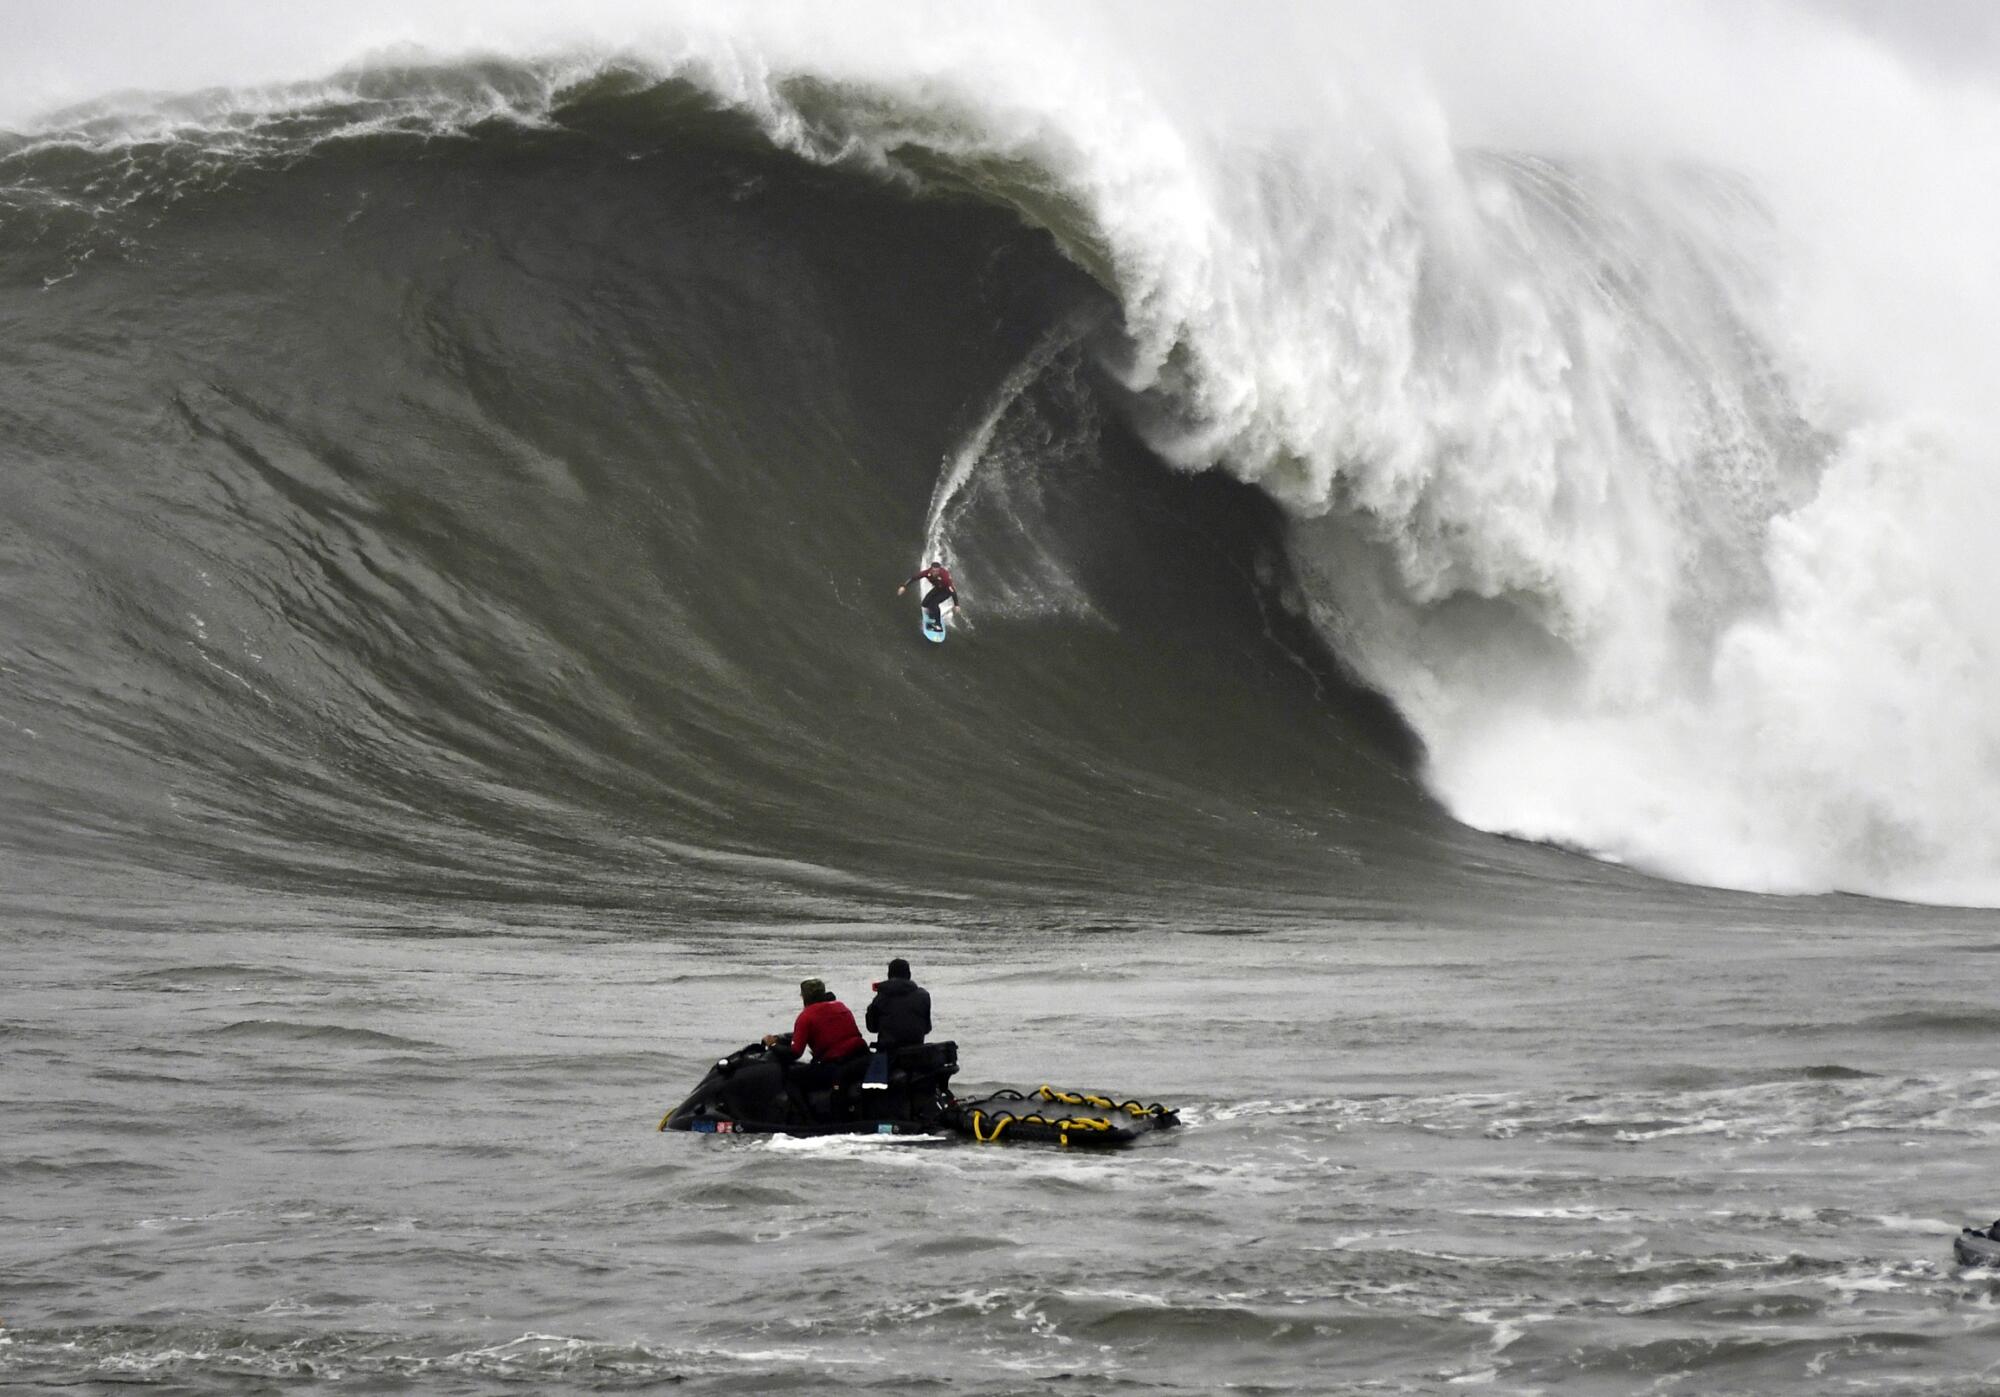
(827, 1027)
(942, 591)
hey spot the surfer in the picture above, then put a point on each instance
(941, 590)
(900, 1014)
(826, 1026)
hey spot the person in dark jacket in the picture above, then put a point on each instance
(826, 1026)
(900, 1014)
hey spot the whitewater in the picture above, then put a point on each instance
(1633, 471)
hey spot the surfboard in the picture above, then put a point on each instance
(933, 633)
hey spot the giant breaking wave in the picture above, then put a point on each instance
(497, 468)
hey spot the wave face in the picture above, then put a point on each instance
(497, 473)
(519, 514)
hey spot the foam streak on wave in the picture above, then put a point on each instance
(971, 450)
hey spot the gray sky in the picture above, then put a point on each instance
(62, 51)
(1959, 38)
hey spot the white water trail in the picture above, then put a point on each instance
(964, 459)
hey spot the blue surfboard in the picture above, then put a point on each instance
(934, 630)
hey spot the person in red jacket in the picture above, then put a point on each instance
(939, 592)
(827, 1027)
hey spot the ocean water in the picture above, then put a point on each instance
(1475, 683)
(1723, 1154)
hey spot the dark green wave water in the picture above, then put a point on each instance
(517, 512)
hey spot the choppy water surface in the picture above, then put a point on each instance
(1594, 1157)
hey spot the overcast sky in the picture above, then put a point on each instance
(62, 51)
(1960, 38)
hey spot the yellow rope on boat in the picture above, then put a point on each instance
(1045, 1092)
(1002, 1119)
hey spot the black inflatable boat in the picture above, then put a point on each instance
(1974, 1247)
(903, 1091)
(748, 1093)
